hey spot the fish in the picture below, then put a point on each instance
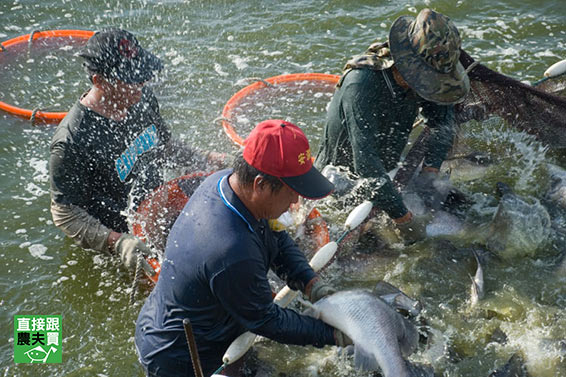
(478, 291)
(556, 194)
(470, 166)
(397, 299)
(442, 223)
(515, 367)
(382, 337)
(520, 227)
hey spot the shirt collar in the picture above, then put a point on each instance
(231, 200)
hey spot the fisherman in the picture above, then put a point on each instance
(218, 255)
(377, 101)
(111, 147)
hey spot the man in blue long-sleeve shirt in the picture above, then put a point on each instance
(219, 252)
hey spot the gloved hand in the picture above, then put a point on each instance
(412, 228)
(341, 339)
(128, 247)
(320, 289)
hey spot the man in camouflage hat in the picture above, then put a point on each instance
(378, 99)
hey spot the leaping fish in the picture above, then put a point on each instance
(478, 291)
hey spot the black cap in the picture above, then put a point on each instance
(117, 54)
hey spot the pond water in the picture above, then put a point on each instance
(209, 49)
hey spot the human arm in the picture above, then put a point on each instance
(69, 185)
(433, 187)
(290, 263)
(89, 233)
(69, 189)
(84, 229)
(245, 293)
(182, 154)
(442, 123)
(366, 126)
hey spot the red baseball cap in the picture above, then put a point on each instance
(281, 149)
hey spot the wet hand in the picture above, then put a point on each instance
(129, 247)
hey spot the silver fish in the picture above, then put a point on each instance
(556, 193)
(515, 367)
(478, 291)
(441, 222)
(519, 228)
(381, 336)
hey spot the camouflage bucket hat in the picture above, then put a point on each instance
(426, 52)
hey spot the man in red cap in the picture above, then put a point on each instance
(219, 252)
(111, 146)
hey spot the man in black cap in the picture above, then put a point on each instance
(377, 101)
(110, 147)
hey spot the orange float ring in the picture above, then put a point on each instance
(157, 213)
(44, 116)
(242, 93)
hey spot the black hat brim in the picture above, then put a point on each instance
(140, 69)
(311, 185)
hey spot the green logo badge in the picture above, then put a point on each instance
(38, 339)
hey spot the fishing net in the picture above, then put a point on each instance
(540, 111)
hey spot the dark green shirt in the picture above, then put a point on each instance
(99, 164)
(368, 125)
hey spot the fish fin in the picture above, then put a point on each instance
(409, 338)
(478, 259)
(396, 298)
(311, 310)
(383, 288)
(503, 188)
(419, 370)
(364, 360)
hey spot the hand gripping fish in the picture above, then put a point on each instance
(381, 336)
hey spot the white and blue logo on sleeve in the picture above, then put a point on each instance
(144, 142)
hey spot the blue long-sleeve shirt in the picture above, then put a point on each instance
(215, 274)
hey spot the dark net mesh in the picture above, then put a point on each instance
(540, 110)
